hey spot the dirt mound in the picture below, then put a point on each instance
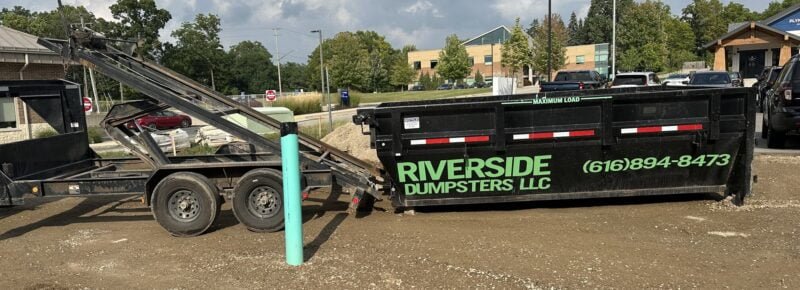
(349, 138)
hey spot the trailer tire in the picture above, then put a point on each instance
(258, 200)
(775, 139)
(185, 204)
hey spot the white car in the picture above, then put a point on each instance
(635, 79)
(677, 80)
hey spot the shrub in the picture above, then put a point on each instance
(299, 105)
(44, 133)
(95, 135)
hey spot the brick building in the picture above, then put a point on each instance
(21, 58)
(587, 57)
(484, 54)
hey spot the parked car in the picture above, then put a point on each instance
(736, 79)
(461, 86)
(781, 105)
(417, 88)
(765, 81)
(162, 120)
(676, 80)
(445, 87)
(574, 80)
(717, 79)
(635, 79)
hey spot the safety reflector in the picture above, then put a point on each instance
(553, 135)
(659, 129)
(453, 140)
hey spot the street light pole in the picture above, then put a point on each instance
(280, 87)
(322, 79)
(549, 38)
(614, 40)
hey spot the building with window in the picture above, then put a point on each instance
(750, 46)
(484, 55)
(587, 57)
(21, 58)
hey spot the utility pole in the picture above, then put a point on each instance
(614, 40)
(280, 87)
(328, 83)
(549, 39)
(322, 79)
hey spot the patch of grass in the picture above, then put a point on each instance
(95, 135)
(198, 149)
(415, 96)
(114, 154)
(44, 133)
(300, 105)
(317, 132)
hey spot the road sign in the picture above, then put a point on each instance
(87, 104)
(271, 96)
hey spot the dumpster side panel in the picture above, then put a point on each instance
(643, 143)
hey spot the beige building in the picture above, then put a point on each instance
(587, 57)
(21, 58)
(484, 54)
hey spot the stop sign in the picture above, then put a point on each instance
(87, 104)
(271, 96)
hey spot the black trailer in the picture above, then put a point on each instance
(184, 193)
(62, 164)
(565, 145)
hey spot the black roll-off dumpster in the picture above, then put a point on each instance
(568, 145)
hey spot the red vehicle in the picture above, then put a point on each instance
(162, 120)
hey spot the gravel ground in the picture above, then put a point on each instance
(660, 242)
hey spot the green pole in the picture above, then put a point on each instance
(292, 212)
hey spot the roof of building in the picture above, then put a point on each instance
(745, 26)
(17, 41)
(496, 35)
(782, 14)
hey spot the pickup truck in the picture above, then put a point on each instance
(574, 80)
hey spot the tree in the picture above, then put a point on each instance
(680, 40)
(531, 31)
(515, 51)
(426, 82)
(381, 58)
(642, 40)
(140, 19)
(736, 13)
(294, 76)
(350, 63)
(573, 28)
(478, 77)
(597, 26)
(453, 60)
(198, 52)
(251, 68)
(402, 73)
(776, 6)
(705, 19)
(540, 45)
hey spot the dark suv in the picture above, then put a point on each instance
(781, 105)
(765, 81)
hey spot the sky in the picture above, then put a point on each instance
(424, 23)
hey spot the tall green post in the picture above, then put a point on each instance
(292, 212)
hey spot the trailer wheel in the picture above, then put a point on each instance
(185, 204)
(258, 200)
(775, 139)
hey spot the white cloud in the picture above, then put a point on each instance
(422, 7)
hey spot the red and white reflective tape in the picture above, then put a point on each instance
(468, 139)
(659, 129)
(553, 135)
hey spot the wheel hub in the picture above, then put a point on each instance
(263, 202)
(184, 205)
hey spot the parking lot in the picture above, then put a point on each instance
(665, 242)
